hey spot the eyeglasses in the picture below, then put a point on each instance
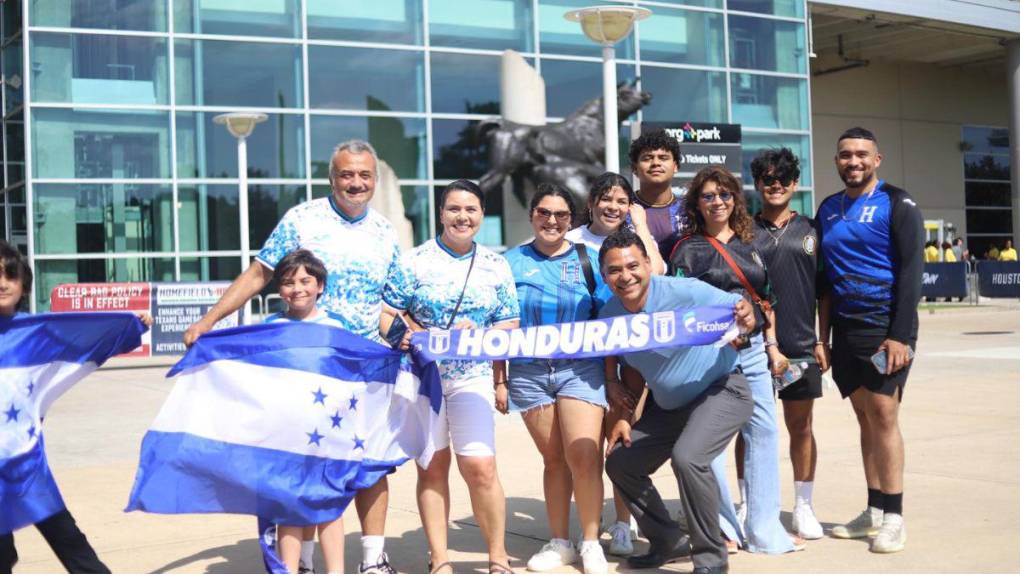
(769, 180)
(710, 197)
(560, 216)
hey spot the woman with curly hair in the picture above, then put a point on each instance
(718, 250)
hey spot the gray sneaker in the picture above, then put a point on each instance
(866, 524)
(892, 536)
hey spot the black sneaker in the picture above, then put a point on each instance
(381, 566)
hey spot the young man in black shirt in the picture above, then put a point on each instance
(653, 159)
(789, 244)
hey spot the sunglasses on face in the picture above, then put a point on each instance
(710, 197)
(544, 213)
(769, 180)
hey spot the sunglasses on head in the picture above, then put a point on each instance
(768, 180)
(710, 197)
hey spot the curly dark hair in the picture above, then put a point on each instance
(740, 221)
(652, 141)
(783, 164)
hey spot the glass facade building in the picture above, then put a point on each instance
(114, 170)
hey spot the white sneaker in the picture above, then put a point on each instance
(892, 535)
(592, 558)
(621, 544)
(741, 514)
(866, 524)
(554, 554)
(805, 524)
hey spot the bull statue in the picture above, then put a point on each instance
(570, 153)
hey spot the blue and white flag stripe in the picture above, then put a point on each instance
(709, 325)
(285, 421)
(41, 357)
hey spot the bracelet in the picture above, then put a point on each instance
(771, 343)
(499, 384)
(822, 343)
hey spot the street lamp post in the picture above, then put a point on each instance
(241, 125)
(607, 25)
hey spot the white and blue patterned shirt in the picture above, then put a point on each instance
(359, 255)
(429, 283)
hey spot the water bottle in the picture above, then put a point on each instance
(792, 374)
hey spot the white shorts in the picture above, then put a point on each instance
(468, 417)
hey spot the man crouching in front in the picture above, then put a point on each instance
(697, 402)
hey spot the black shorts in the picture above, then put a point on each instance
(807, 388)
(852, 367)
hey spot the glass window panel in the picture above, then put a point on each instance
(701, 3)
(774, 45)
(557, 35)
(682, 37)
(266, 205)
(485, 24)
(108, 218)
(684, 95)
(790, 8)
(100, 144)
(989, 221)
(986, 140)
(416, 209)
(108, 14)
(11, 18)
(568, 84)
(465, 83)
(400, 142)
(13, 86)
(210, 268)
(389, 21)
(221, 73)
(455, 150)
(769, 102)
(208, 217)
(205, 149)
(238, 17)
(51, 273)
(976, 166)
(377, 80)
(753, 143)
(97, 69)
(987, 194)
(979, 246)
(15, 144)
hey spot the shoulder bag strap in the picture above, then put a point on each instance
(589, 275)
(463, 290)
(765, 305)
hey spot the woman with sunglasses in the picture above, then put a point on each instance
(718, 250)
(451, 282)
(562, 401)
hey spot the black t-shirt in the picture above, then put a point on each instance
(695, 257)
(791, 254)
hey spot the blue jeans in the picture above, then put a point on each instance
(763, 531)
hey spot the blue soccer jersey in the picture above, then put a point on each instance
(429, 283)
(359, 255)
(872, 250)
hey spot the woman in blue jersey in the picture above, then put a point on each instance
(718, 250)
(562, 401)
(451, 282)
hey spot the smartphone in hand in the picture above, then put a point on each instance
(396, 332)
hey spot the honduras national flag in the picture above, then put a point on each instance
(285, 421)
(41, 356)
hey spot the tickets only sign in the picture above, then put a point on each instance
(173, 307)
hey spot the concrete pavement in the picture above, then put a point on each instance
(960, 420)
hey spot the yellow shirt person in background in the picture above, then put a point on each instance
(1008, 253)
(931, 253)
(947, 252)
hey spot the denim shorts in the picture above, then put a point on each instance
(538, 383)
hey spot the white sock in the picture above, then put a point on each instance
(586, 543)
(562, 542)
(742, 485)
(307, 552)
(803, 490)
(371, 549)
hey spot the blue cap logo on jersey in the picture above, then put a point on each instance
(664, 326)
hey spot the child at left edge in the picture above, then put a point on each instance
(301, 278)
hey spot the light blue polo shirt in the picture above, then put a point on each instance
(678, 375)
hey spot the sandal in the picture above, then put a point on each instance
(497, 568)
(446, 564)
